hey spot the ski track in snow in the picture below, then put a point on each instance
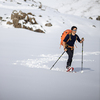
(42, 60)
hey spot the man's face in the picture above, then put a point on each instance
(74, 30)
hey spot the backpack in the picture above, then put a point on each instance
(66, 32)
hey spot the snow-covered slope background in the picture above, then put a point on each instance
(83, 8)
(26, 56)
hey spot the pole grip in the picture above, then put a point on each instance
(83, 38)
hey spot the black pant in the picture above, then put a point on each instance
(70, 56)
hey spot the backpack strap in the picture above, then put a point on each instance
(69, 37)
(72, 47)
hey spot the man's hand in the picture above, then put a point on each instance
(65, 49)
(82, 40)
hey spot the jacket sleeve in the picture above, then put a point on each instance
(78, 38)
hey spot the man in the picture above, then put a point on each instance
(68, 44)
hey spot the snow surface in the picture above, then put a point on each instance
(83, 8)
(26, 58)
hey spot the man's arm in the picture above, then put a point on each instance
(82, 40)
(64, 45)
(64, 42)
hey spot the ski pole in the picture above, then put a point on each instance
(82, 58)
(57, 60)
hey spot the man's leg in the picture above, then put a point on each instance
(70, 56)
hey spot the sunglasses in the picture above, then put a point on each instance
(74, 30)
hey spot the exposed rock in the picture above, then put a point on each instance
(40, 5)
(30, 14)
(17, 15)
(18, 3)
(90, 18)
(94, 26)
(25, 0)
(48, 24)
(3, 20)
(22, 15)
(26, 18)
(39, 30)
(25, 27)
(7, 17)
(14, 14)
(32, 5)
(0, 18)
(14, 11)
(32, 20)
(22, 20)
(15, 21)
(31, 29)
(10, 23)
(43, 9)
(16, 24)
(40, 15)
(98, 18)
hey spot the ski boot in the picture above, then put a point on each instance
(70, 69)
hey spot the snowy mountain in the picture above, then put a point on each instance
(27, 56)
(35, 16)
(83, 8)
(28, 14)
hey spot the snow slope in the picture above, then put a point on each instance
(83, 8)
(26, 57)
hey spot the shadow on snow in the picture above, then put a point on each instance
(78, 69)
